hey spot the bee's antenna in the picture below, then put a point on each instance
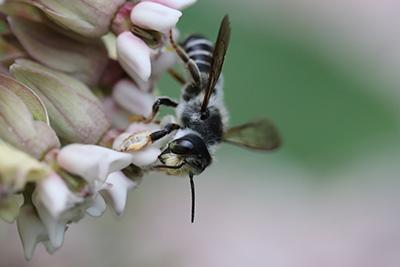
(193, 196)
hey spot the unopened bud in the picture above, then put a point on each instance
(23, 119)
(75, 113)
(90, 18)
(84, 61)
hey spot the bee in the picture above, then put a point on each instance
(201, 113)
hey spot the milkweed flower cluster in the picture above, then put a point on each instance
(65, 103)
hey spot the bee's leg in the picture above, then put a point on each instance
(168, 167)
(161, 101)
(177, 76)
(190, 64)
(169, 128)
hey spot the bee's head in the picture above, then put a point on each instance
(189, 149)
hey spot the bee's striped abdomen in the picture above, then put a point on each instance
(200, 50)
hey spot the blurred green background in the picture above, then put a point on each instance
(325, 113)
(325, 74)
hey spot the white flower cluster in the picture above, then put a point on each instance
(66, 104)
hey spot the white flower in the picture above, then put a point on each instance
(161, 60)
(176, 4)
(98, 206)
(56, 206)
(55, 227)
(132, 99)
(146, 157)
(100, 167)
(149, 153)
(115, 190)
(55, 195)
(154, 16)
(31, 229)
(93, 163)
(142, 158)
(134, 55)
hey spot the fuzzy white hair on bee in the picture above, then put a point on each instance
(201, 112)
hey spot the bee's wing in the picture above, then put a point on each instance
(259, 134)
(221, 46)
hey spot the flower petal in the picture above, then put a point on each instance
(131, 98)
(116, 190)
(176, 4)
(145, 157)
(140, 158)
(134, 55)
(49, 247)
(31, 230)
(55, 227)
(98, 206)
(55, 195)
(155, 16)
(93, 163)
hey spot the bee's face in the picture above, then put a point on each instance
(190, 152)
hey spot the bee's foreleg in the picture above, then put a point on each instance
(162, 101)
(169, 128)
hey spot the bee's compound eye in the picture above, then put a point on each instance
(182, 147)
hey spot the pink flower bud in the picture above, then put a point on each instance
(134, 55)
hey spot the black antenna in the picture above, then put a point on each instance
(193, 195)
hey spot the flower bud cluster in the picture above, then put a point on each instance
(67, 103)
